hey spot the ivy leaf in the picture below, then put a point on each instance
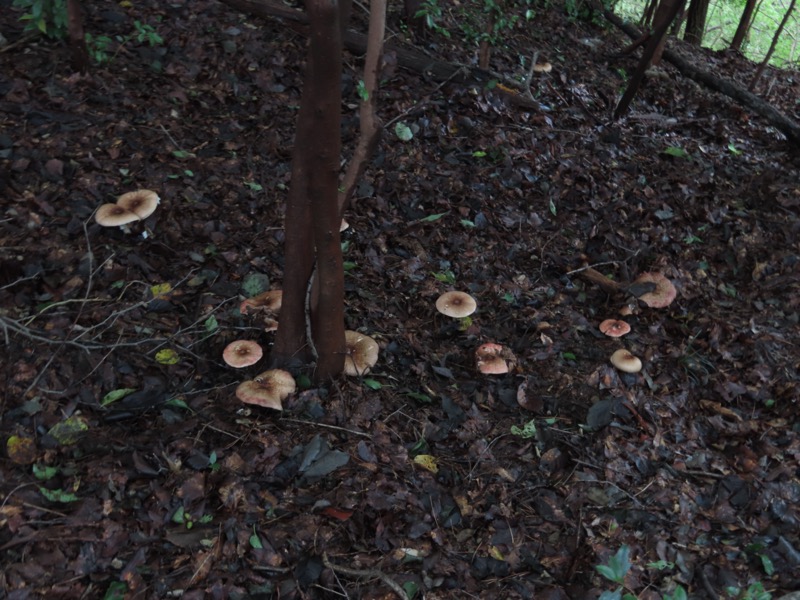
(403, 132)
(167, 356)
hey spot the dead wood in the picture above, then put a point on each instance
(781, 122)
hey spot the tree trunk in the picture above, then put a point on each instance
(696, 22)
(777, 35)
(744, 25)
(77, 39)
(666, 13)
(327, 316)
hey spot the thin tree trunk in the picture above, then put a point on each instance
(77, 39)
(777, 35)
(327, 318)
(696, 22)
(667, 11)
(744, 25)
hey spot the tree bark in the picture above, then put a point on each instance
(666, 13)
(777, 35)
(744, 25)
(371, 127)
(696, 22)
(327, 316)
(77, 38)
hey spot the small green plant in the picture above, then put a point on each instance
(432, 13)
(527, 431)
(45, 16)
(617, 568)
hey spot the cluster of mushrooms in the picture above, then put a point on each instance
(129, 208)
(660, 297)
(270, 388)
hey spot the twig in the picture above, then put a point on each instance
(370, 573)
(326, 426)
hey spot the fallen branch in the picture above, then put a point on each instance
(369, 573)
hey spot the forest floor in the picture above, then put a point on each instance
(689, 470)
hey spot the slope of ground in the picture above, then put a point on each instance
(178, 490)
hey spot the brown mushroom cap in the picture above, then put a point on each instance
(142, 203)
(456, 304)
(269, 302)
(614, 327)
(269, 389)
(490, 359)
(660, 297)
(242, 353)
(625, 361)
(362, 353)
(112, 215)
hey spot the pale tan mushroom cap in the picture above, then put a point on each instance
(490, 359)
(242, 353)
(362, 353)
(269, 389)
(614, 327)
(270, 302)
(142, 203)
(542, 67)
(625, 361)
(662, 296)
(112, 215)
(456, 304)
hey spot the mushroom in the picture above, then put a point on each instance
(242, 353)
(269, 389)
(490, 358)
(456, 304)
(362, 353)
(112, 215)
(542, 67)
(344, 226)
(614, 327)
(660, 297)
(625, 361)
(142, 203)
(269, 302)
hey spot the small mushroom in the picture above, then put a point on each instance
(490, 359)
(242, 353)
(142, 203)
(625, 361)
(269, 302)
(545, 67)
(456, 304)
(112, 215)
(614, 328)
(344, 226)
(269, 389)
(662, 296)
(362, 353)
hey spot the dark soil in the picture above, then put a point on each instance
(179, 490)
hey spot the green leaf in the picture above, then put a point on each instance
(661, 565)
(432, 218)
(349, 265)
(553, 209)
(256, 187)
(766, 562)
(115, 395)
(254, 284)
(361, 90)
(372, 384)
(179, 516)
(568, 356)
(411, 589)
(467, 223)
(255, 541)
(116, 591)
(676, 152)
(43, 472)
(423, 398)
(403, 132)
(69, 431)
(177, 403)
(733, 150)
(167, 356)
(479, 154)
(525, 432)
(58, 495)
(182, 154)
(211, 324)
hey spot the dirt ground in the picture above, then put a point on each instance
(424, 475)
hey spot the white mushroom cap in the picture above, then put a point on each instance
(545, 67)
(242, 353)
(269, 389)
(625, 361)
(113, 215)
(362, 353)
(142, 203)
(456, 304)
